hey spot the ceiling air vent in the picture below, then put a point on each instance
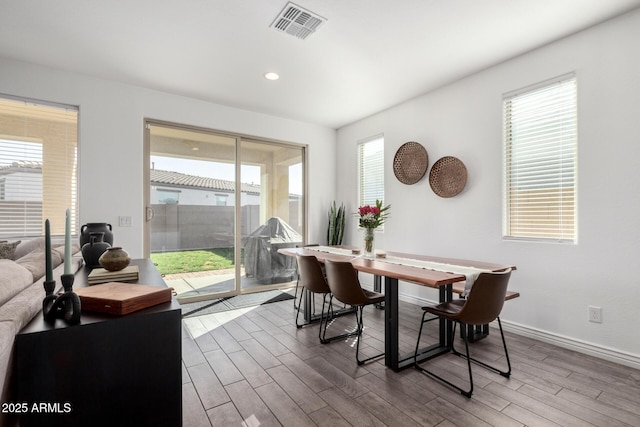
(297, 21)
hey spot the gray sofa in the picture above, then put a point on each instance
(21, 294)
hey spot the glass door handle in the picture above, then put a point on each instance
(150, 213)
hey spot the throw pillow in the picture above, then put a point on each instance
(14, 278)
(7, 249)
(34, 262)
(28, 246)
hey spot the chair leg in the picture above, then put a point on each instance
(417, 352)
(324, 339)
(506, 373)
(299, 325)
(360, 328)
(466, 346)
(466, 393)
(321, 332)
(324, 319)
(295, 295)
(302, 294)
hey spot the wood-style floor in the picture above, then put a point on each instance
(253, 367)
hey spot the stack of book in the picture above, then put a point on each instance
(101, 275)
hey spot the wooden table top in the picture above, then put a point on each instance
(378, 266)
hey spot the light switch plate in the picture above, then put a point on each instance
(124, 221)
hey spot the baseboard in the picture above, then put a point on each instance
(579, 346)
(601, 352)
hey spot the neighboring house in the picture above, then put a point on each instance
(21, 197)
(17, 176)
(169, 187)
(184, 205)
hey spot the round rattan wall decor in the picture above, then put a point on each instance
(410, 162)
(448, 176)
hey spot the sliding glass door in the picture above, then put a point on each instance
(210, 236)
(274, 218)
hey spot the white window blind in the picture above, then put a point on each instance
(371, 171)
(540, 158)
(38, 167)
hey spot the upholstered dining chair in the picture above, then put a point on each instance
(482, 306)
(345, 287)
(311, 277)
(295, 294)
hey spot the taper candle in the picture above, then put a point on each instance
(67, 244)
(47, 251)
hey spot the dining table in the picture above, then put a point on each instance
(391, 268)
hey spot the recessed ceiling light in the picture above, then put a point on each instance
(271, 76)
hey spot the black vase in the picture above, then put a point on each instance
(92, 251)
(96, 227)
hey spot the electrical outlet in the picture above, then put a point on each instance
(124, 221)
(595, 314)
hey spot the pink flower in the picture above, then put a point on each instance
(364, 209)
(372, 216)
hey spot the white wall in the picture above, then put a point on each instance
(111, 141)
(464, 119)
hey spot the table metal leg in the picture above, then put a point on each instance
(392, 358)
(308, 312)
(391, 323)
(446, 294)
(377, 287)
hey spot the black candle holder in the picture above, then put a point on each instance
(63, 306)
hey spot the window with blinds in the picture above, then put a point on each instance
(38, 167)
(540, 157)
(371, 171)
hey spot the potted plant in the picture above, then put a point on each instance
(335, 230)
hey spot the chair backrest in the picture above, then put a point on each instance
(486, 298)
(343, 282)
(310, 274)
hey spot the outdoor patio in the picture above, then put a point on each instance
(189, 285)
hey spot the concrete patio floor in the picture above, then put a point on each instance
(188, 285)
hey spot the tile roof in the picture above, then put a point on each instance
(184, 180)
(21, 165)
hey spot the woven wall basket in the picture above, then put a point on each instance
(448, 176)
(410, 163)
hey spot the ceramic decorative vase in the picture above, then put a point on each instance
(92, 251)
(114, 259)
(96, 227)
(369, 249)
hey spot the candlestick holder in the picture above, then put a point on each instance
(67, 282)
(64, 306)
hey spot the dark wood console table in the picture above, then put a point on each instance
(106, 371)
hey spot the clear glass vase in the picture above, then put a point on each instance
(369, 243)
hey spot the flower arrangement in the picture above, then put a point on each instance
(372, 217)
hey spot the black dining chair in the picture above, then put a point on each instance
(482, 306)
(312, 279)
(295, 294)
(345, 287)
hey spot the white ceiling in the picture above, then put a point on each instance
(368, 56)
